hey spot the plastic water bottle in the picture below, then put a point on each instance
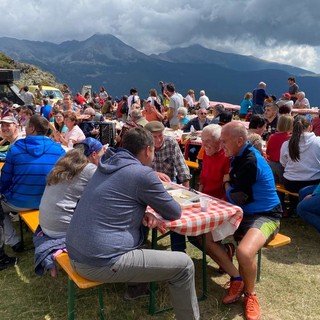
(192, 129)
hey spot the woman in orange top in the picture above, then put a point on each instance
(150, 112)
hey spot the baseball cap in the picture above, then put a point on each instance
(15, 106)
(286, 95)
(90, 145)
(9, 119)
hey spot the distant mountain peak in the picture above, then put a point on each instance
(103, 59)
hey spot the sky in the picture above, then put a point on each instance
(284, 31)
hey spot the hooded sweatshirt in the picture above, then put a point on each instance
(308, 167)
(107, 222)
(23, 176)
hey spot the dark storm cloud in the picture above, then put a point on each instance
(270, 28)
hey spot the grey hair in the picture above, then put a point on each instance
(219, 107)
(183, 110)
(262, 84)
(89, 111)
(302, 94)
(214, 130)
(202, 93)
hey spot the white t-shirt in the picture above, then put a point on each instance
(28, 98)
(190, 100)
(204, 102)
(130, 101)
(176, 101)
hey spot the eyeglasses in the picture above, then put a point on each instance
(203, 113)
(58, 116)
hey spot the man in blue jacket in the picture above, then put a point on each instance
(106, 232)
(23, 176)
(250, 185)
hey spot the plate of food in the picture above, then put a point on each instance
(185, 198)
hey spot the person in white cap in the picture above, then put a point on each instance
(9, 131)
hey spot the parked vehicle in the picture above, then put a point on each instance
(57, 95)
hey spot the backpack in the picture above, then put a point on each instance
(124, 108)
(157, 105)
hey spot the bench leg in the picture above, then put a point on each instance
(70, 299)
(21, 231)
(259, 265)
(101, 304)
(204, 270)
(193, 178)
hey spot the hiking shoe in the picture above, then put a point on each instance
(18, 247)
(6, 262)
(251, 307)
(139, 290)
(230, 248)
(235, 291)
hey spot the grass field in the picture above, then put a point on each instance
(289, 288)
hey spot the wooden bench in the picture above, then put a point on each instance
(31, 219)
(82, 283)
(193, 167)
(279, 241)
(192, 164)
(280, 188)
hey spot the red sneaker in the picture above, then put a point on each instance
(251, 307)
(235, 291)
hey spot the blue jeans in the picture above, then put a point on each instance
(178, 242)
(309, 210)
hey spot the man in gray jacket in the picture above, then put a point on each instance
(106, 231)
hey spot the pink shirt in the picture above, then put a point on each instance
(75, 134)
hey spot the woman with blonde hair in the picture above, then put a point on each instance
(65, 185)
(245, 105)
(191, 100)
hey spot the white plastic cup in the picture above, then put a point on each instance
(204, 203)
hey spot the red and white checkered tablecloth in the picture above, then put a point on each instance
(221, 218)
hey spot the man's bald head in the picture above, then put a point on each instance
(233, 137)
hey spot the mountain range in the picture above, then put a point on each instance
(104, 60)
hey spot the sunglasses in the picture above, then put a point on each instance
(203, 113)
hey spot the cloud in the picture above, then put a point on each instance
(282, 31)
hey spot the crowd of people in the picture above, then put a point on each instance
(54, 162)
